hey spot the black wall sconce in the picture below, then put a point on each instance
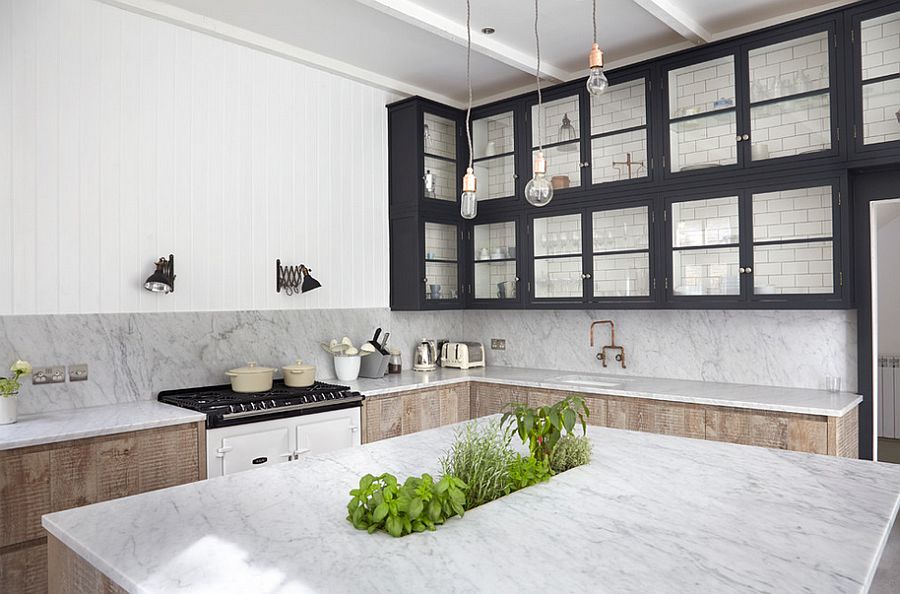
(163, 280)
(294, 279)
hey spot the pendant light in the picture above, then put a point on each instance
(596, 82)
(539, 191)
(468, 202)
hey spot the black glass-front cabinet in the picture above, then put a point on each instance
(717, 177)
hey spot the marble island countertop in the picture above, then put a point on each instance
(770, 398)
(650, 513)
(94, 421)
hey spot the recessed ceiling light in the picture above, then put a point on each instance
(488, 30)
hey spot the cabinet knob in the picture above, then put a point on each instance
(586, 164)
(745, 137)
(742, 270)
(517, 279)
(585, 276)
(749, 270)
(738, 138)
(425, 280)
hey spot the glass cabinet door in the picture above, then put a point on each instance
(441, 262)
(880, 67)
(705, 237)
(493, 148)
(790, 97)
(702, 115)
(494, 252)
(792, 241)
(558, 263)
(440, 175)
(561, 126)
(619, 133)
(621, 252)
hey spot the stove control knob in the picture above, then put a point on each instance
(261, 405)
(272, 402)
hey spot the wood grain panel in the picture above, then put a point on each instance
(24, 495)
(455, 403)
(843, 435)
(23, 570)
(384, 417)
(653, 416)
(69, 573)
(96, 470)
(421, 411)
(167, 458)
(803, 433)
(490, 399)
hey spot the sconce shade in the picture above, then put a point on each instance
(163, 278)
(309, 283)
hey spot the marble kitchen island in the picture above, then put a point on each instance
(651, 513)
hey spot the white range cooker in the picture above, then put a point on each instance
(245, 431)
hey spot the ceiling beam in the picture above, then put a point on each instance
(676, 19)
(413, 14)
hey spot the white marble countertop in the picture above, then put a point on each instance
(62, 425)
(651, 513)
(771, 398)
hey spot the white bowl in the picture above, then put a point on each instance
(347, 368)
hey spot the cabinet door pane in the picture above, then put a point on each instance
(440, 242)
(496, 177)
(701, 88)
(440, 136)
(793, 268)
(563, 165)
(622, 275)
(706, 272)
(701, 143)
(442, 280)
(495, 280)
(804, 213)
(880, 46)
(561, 121)
(621, 106)
(495, 241)
(558, 277)
(705, 222)
(440, 179)
(557, 235)
(620, 229)
(619, 156)
(881, 111)
(790, 127)
(790, 67)
(493, 135)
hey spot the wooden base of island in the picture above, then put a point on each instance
(69, 573)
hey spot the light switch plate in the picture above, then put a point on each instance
(55, 374)
(78, 372)
(498, 344)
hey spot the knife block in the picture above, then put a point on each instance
(374, 365)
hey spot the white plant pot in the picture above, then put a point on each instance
(9, 406)
(347, 368)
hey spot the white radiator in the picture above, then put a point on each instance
(889, 397)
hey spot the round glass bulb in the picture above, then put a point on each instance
(468, 205)
(539, 191)
(596, 82)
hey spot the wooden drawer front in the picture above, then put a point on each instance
(168, 457)
(24, 496)
(596, 405)
(24, 570)
(490, 399)
(384, 418)
(656, 417)
(801, 433)
(421, 411)
(455, 404)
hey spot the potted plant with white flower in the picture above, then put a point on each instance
(9, 392)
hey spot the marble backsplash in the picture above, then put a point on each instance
(795, 348)
(133, 356)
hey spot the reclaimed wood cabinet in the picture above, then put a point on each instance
(42, 479)
(415, 410)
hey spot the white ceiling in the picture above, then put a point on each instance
(418, 46)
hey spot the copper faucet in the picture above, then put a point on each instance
(601, 356)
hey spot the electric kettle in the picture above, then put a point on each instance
(425, 356)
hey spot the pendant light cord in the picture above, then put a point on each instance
(595, 20)
(469, 77)
(537, 76)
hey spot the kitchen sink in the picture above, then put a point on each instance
(589, 380)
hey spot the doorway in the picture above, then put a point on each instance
(884, 227)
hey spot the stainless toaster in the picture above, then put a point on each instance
(462, 355)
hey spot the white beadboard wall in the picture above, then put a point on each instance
(123, 138)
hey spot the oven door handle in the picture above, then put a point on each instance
(220, 452)
(300, 452)
(287, 455)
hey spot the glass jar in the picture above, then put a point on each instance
(395, 363)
